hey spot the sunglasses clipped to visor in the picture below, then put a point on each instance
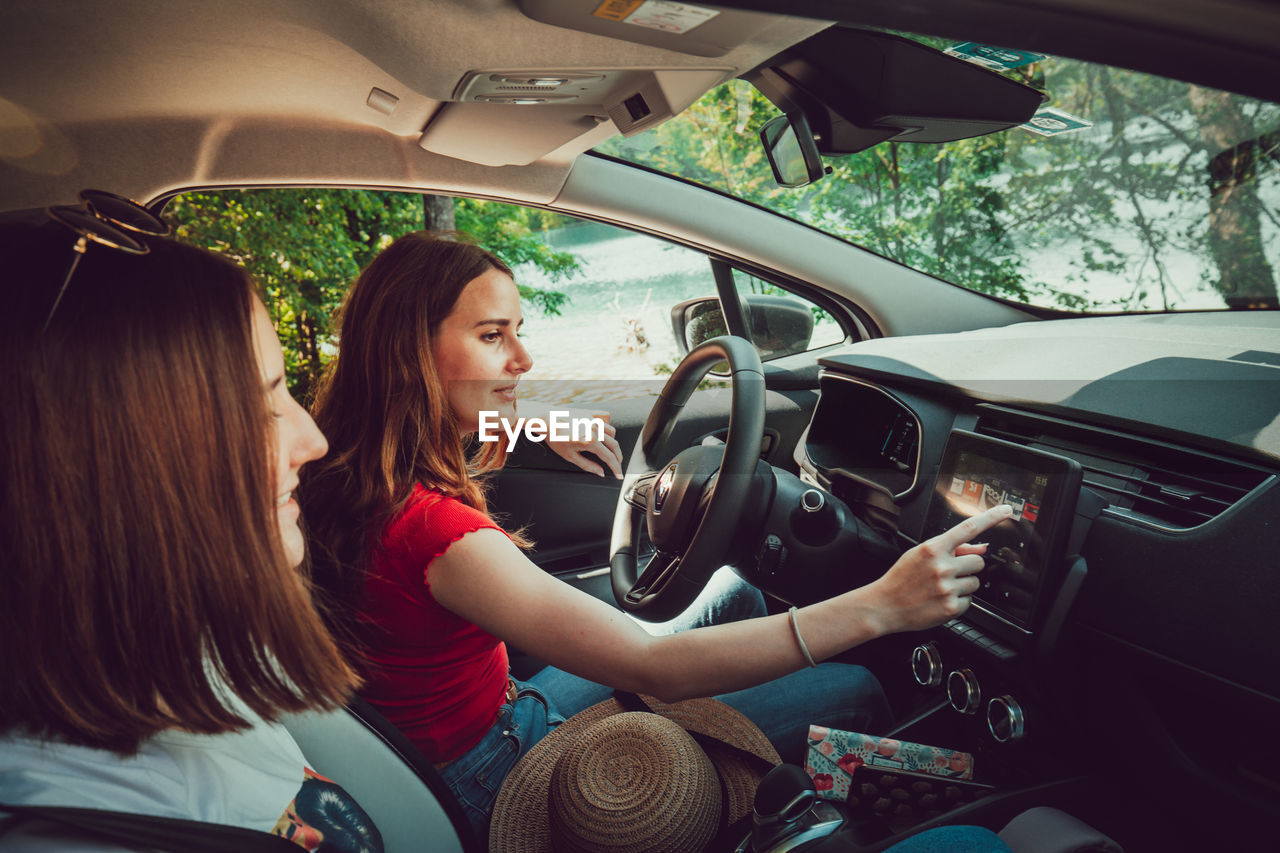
(108, 220)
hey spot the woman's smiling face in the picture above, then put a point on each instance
(295, 438)
(477, 353)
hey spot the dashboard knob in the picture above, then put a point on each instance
(812, 501)
(815, 520)
(926, 665)
(963, 691)
(1005, 719)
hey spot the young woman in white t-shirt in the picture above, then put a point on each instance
(154, 622)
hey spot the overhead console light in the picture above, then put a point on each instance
(511, 117)
(524, 81)
(634, 99)
(504, 87)
(524, 99)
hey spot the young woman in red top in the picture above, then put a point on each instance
(428, 587)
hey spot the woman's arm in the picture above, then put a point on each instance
(487, 580)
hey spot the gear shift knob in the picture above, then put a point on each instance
(784, 804)
(783, 796)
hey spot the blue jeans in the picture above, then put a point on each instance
(832, 694)
(952, 839)
(476, 777)
(838, 695)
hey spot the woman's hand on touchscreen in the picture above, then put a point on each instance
(935, 580)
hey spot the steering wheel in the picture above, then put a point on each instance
(692, 503)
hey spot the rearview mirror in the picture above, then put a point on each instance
(791, 150)
(779, 326)
(858, 88)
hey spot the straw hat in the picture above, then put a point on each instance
(623, 781)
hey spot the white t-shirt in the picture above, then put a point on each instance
(257, 779)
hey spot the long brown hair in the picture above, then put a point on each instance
(383, 408)
(143, 572)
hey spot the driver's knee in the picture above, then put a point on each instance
(836, 695)
(858, 702)
(728, 598)
(725, 598)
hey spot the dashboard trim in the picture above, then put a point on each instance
(915, 472)
(975, 605)
(1122, 514)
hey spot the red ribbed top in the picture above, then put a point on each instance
(437, 677)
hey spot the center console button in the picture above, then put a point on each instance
(926, 665)
(963, 691)
(1005, 719)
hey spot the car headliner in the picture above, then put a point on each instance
(144, 98)
(147, 98)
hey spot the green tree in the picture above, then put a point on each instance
(714, 142)
(305, 246)
(1238, 155)
(1168, 174)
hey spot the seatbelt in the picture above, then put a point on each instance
(173, 835)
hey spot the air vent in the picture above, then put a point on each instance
(1148, 480)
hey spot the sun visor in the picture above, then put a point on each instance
(858, 88)
(683, 27)
(503, 135)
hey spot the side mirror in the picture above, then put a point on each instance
(779, 325)
(791, 150)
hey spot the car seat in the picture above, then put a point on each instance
(387, 775)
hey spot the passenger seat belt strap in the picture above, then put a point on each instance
(161, 833)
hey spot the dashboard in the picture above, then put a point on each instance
(1131, 598)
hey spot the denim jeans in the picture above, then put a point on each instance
(832, 694)
(952, 839)
(837, 695)
(476, 777)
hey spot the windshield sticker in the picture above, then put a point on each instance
(655, 14)
(1049, 121)
(995, 58)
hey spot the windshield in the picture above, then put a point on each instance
(1126, 192)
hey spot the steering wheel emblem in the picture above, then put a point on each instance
(663, 487)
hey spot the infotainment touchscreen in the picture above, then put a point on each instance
(1025, 551)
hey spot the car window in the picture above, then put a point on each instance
(598, 299)
(1124, 192)
(774, 340)
(615, 323)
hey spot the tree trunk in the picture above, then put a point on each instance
(1235, 230)
(437, 213)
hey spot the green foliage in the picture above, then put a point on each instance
(714, 142)
(305, 246)
(512, 233)
(1169, 173)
